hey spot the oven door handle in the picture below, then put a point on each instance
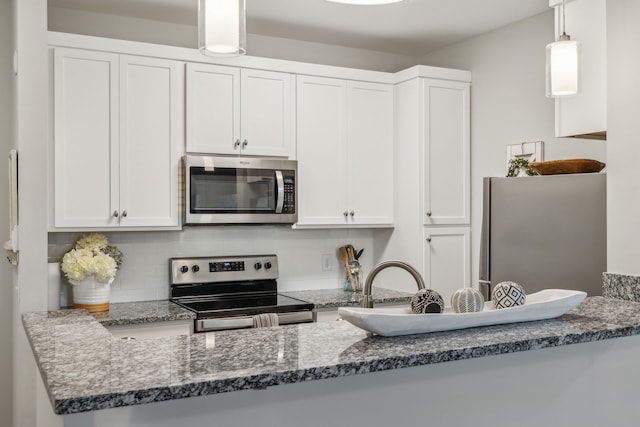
(280, 196)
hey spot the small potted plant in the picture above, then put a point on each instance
(91, 267)
(518, 165)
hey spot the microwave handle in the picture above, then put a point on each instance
(280, 196)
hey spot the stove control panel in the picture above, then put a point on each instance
(222, 269)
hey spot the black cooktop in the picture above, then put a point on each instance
(243, 305)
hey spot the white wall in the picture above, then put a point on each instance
(126, 28)
(30, 121)
(6, 142)
(623, 144)
(508, 103)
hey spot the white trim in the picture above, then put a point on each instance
(77, 41)
(193, 55)
(432, 73)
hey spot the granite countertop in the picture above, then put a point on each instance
(334, 298)
(85, 368)
(132, 313)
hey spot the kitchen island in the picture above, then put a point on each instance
(268, 375)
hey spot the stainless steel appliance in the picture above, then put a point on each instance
(228, 292)
(544, 232)
(239, 190)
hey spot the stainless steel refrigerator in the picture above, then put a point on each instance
(544, 232)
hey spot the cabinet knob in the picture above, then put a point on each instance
(115, 214)
(352, 213)
(237, 143)
(124, 214)
(245, 143)
(345, 213)
(429, 239)
(429, 213)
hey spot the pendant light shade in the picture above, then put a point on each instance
(564, 59)
(563, 68)
(221, 27)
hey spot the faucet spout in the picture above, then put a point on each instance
(367, 300)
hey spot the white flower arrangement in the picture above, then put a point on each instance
(92, 255)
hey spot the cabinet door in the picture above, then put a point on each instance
(85, 138)
(266, 117)
(447, 264)
(446, 152)
(322, 151)
(370, 167)
(150, 140)
(213, 109)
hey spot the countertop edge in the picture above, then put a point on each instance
(262, 381)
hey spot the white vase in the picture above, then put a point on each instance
(90, 294)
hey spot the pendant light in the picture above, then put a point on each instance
(564, 59)
(221, 27)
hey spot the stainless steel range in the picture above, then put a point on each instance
(229, 292)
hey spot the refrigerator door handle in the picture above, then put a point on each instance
(484, 284)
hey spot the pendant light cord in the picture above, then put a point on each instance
(563, 22)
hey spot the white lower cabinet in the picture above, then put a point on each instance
(447, 260)
(117, 140)
(345, 153)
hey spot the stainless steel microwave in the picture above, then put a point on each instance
(239, 190)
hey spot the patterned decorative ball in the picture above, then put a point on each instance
(427, 301)
(467, 300)
(508, 294)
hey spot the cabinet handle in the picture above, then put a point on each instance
(429, 239)
(124, 214)
(245, 143)
(429, 213)
(345, 213)
(352, 213)
(115, 214)
(237, 143)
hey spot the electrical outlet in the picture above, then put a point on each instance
(327, 264)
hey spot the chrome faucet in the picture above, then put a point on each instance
(367, 300)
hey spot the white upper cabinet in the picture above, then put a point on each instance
(370, 153)
(322, 151)
(86, 182)
(446, 198)
(151, 126)
(585, 115)
(239, 111)
(117, 140)
(345, 147)
(213, 109)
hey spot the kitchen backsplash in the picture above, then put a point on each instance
(144, 275)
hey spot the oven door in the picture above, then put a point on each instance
(220, 190)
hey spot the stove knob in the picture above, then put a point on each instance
(195, 268)
(267, 265)
(184, 269)
(258, 266)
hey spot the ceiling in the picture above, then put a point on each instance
(412, 27)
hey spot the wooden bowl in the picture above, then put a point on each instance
(556, 167)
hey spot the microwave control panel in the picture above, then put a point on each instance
(289, 205)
